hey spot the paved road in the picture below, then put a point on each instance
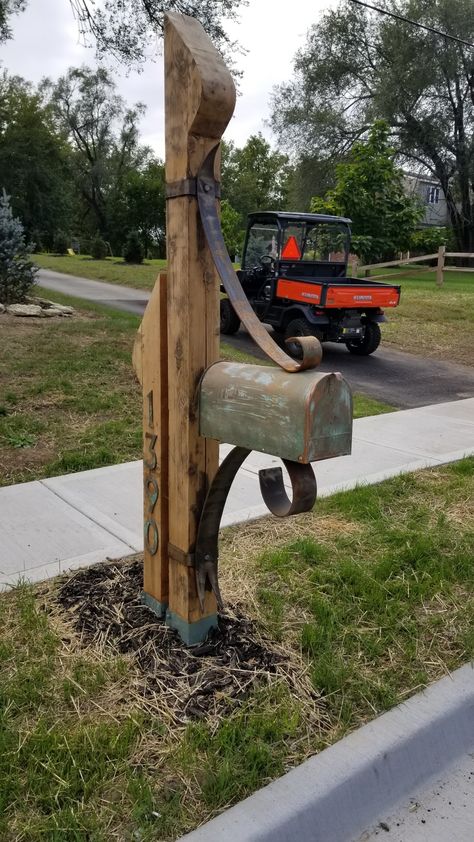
(395, 377)
(113, 295)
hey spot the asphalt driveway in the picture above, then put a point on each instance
(403, 380)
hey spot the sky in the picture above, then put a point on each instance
(46, 43)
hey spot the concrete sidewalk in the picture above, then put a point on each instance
(58, 524)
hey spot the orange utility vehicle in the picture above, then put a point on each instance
(294, 274)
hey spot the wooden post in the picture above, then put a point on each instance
(354, 267)
(199, 102)
(440, 266)
(150, 360)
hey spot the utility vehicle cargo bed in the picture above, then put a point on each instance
(339, 292)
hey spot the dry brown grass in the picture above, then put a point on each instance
(162, 677)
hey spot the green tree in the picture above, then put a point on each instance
(369, 190)
(310, 176)
(231, 229)
(133, 251)
(428, 240)
(61, 243)
(254, 177)
(127, 28)
(103, 134)
(17, 273)
(358, 66)
(33, 159)
(8, 8)
(98, 248)
(139, 203)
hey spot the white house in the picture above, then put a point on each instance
(429, 190)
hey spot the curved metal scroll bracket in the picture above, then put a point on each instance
(310, 346)
(206, 556)
(303, 483)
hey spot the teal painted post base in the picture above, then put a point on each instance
(158, 608)
(191, 633)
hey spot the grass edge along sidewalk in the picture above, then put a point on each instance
(69, 400)
(366, 601)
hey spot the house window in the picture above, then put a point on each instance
(433, 195)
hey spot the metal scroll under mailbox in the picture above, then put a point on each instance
(301, 419)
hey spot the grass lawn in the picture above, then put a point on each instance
(430, 321)
(113, 270)
(433, 321)
(365, 601)
(68, 396)
(69, 400)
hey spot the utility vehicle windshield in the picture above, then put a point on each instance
(306, 241)
(293, 240)
(262, 240)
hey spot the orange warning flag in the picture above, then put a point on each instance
(291, 250)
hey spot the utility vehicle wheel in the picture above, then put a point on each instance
(278, 334)
(369, 343)
(297, 327)
(230, 321)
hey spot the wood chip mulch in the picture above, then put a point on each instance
(102, 605)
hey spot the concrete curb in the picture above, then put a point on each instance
(338, 794)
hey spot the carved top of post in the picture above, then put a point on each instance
(199, 94)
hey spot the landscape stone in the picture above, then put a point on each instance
(66, 311)
(38, 307)
(44, 302)
(52, 311)
(24, 310)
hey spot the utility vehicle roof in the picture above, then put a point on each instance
(296, 217)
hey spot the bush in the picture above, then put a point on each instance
(61, 243)
(36, 241)
(428, 240)
(85, 245)
(98, 248)
(47, 241)
(133, 251)
(17, 273)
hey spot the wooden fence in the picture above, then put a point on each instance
(440, 257)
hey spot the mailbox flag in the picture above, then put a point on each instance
(291, 250)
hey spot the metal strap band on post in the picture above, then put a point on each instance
(310, 346)
(188, 187)
(180, 556)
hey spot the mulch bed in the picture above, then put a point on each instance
(102, 605)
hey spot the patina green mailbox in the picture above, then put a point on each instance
(303, 419)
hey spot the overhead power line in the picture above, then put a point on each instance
(413, 23)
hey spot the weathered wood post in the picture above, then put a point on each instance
(150, 359)
(190, 400)
(440, 266)
(199, 102)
